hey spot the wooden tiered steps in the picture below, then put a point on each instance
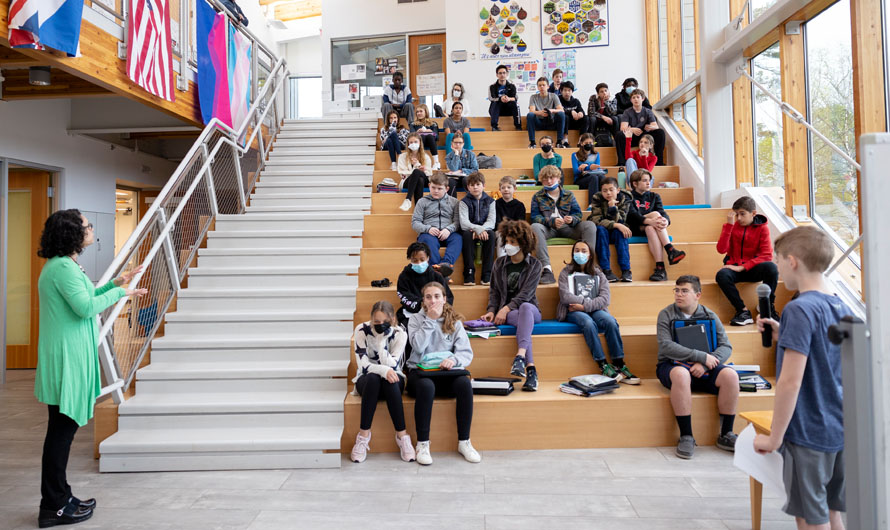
(548, 419)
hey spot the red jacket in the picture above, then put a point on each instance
(746, 245)
(647, 163)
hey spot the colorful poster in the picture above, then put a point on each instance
(560, 59)
(504, 27)
(574, 23)
(213, 71)
(384, 66)
(523, 74)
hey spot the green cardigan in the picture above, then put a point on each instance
(68, 347)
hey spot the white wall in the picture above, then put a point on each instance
(303, 56)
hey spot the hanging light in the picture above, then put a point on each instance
(39, 76)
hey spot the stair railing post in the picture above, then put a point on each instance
(214, 206)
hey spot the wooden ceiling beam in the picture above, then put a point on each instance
(16, 86)
(297, 10)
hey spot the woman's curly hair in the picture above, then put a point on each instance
(63, 234)
(521, 232)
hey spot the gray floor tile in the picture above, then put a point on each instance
(126, 519)
(346, 480)
(280, 520)
(710, 508)
(745, 524)
(304, 501)
(513, 504)
(132, 498)
(198, 480)
(573, 484)
(502, 522)
(735, 486)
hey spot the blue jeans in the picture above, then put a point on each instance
(393, 145)
(468, 145)
(592, 324)
(557, 121)
(452, 247)
(605, 236)
(630, 165)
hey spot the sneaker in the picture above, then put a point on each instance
(71, 513)
(469, 280)
(742, 318)
(446, 269)
(465, 448)
(627, 276)
(660, 275)
(423, 453)
(393, 167)
(360, 449)
(610, 371)
(775, 313)
(547, 277)
(531, 380)
(531, 145)
(727, 441)
(437, 166)
(486, 280)
(406, 450)
(628, 378)
(565, 144)
(406, 205)
(518, 368)
(686, 447)
(495, 128)
(610, 276)
(518, 126)
(675, 256)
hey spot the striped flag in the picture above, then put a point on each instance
(39, 23)
(149, 59)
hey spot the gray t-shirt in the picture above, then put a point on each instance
(453, 126)
(638, 119)
(550, 101)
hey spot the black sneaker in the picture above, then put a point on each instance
(531, 380)
(531, 145)
(470, 280)
(445, 269)
(547, 277)
(727, 441)
(660, 275)
(627, 276)
(775, 313)
(71, 514)
(518, 368)
(675, 256)
(495, 128)
(486, 279)
(610, 276)
(742, 318)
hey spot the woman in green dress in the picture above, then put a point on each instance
(68, 358)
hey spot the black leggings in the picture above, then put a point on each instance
(415, 183)
(424, 389)
(54, 489)
(372, 387)
(429, 143)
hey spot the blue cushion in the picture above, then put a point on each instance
(635, 240)
(686, 206)
(546, 327)
(477, 129)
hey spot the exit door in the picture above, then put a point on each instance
(427, 53)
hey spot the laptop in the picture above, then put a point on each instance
(695, 337)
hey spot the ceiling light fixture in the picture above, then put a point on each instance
(39, 76)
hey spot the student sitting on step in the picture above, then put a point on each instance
(477, 222)
(547, 157)
(644, 158)
(393, 137)
(544, 112)
(639, 120)
(502, 95)
(415, 168)
(591, 315)
(749, 257)
(646, 217)
(586, 164)
(556, 213)
(459, 125)
(379, 362)
(557, 76)
(436, 221)
(608, 211)
(682, 369)
(428, 131)
(413, 277)
(458, 95)
(437, 329)
(507, 208)
(575, 118)
(511, 297)
(602, 115)
(461, 162)
(622, 98)
(397, 97)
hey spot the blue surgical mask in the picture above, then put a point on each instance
(630, 90)
(580, 258)
(551, 188)
(421, 267)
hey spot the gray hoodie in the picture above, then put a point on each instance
(435, 213)
(426, 336)
(566, 296)
(668, 350)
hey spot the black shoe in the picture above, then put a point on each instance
(518, 126)
(89, 504)
(547, 277)
(727, 441)
(486, 280)
(610, 276)
(385, 282)
(627, 276)
(565, 144)
(518, 368)
(70, 514)
(495, 128)
(531, 380)
(531, 145)
(675, 256)
(660, 275)
(470, 280)
(445, 269)
(742, 318)
(772, 308)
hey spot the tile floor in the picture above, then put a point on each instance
(596, 489)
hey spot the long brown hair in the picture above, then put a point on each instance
(388, 116)
(581, 155)
(449, 315)
(426, 121)
(416, 155)
(589, 267)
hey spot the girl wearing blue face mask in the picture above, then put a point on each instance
(622, 98)
(412, 279)
(591, 315)
(379, 366)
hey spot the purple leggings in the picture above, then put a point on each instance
(525, 319)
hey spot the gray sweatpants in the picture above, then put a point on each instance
(585, 231)
(407, 111)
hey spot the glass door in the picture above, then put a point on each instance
(428, 81)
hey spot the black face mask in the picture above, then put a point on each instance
(546, 148)
(588, 147)
(382, 328)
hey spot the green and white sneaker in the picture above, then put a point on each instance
(628, 378)
(610, 371)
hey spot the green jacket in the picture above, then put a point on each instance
(68, 347)
(602, 215)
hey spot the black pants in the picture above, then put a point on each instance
(571, 123)
(429, 143)
(54, 489)
(497, 108)
(372, 388)
(657, 135)
(469, 253)
(597, 126)
(415, 183)
(454, 183)
(762, 272)
(424, 389)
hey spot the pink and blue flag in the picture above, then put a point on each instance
(52, 23)
(239, 75)
(213, 74)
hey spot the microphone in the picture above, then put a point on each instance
(763, 292)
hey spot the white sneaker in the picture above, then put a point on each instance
(436, 165)
(465, 448)
(360, 449)
(406, 205)
(393, 167)
(402, 183)
(406, 450)
(423, 454)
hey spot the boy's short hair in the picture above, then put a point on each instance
(609, 180)
(400, 75)
(638, 175)
(549, 171)
(418, 246)
(475, 178)
(810, 245)
(567, 84)
(439, 179)
(507, 180)
(499, 67)
(557, 71)
(542, 78)
(746, 203)
(457, 136)
(691, 280)
(648, 138)
(601, 85)
(638, 92)
(547, 137)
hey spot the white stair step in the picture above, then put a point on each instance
(295, 134)
(294, 344)
(238, 422)
(277, 299)
(323, 204)
(312, 140)
(203, 397)
(290, 277)
(183, 440)
(253, 323)
(253, 354)
(284, 238)
(326, 171)
(202, 461)
(330, 150)
(279, 257)
(314, 205)
(246, 369)
(315, 160)
(284, 221)
(328, 125)
(309, 184)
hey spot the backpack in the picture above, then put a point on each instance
(603, 139)
(488, 162)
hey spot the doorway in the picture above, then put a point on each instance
(427, 58)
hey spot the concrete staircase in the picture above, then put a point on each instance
(250, 373)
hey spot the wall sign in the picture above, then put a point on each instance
(574, 23)
(523, 74)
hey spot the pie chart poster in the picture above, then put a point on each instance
(574, 23)
(504, 29)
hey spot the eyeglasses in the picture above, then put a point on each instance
(89, 226)
(684, 292)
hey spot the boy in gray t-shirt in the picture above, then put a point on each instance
(545, 112)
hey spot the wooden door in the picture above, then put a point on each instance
(29, 208)
(427, 56)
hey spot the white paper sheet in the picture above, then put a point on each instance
(766, 469)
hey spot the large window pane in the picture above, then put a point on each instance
(367, 51)
(663, 64)
(690, 113)
(769, 164)
(759, 6)
(689, 51)
(830, 102)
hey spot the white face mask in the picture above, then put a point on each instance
(414, 147)
(455, 93)
(511, 250)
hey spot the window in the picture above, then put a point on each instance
(304, 98)
(829, 63)
(769, 163)
(663, 62)
(689, 51)
(690, 113)
(759, 6)
(367, 51)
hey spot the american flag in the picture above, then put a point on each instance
(149, 60)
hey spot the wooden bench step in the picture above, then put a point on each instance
(493, 176)
(514, 156)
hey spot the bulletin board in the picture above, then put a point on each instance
(504, 27)
(563, 60)
(523, 74)
(574, 23)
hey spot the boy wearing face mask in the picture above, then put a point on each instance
(586, 164)
(622, 98)
(547, 157)
(397, 97)
(412, 279)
